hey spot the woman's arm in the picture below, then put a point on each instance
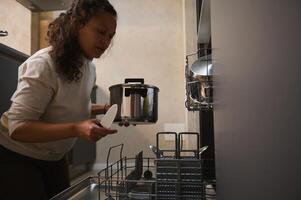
(36, 131)
(98, 109)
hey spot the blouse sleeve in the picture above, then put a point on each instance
(36, 87)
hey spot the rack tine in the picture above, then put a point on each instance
(121, 149)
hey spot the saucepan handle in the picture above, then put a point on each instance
(134, 80)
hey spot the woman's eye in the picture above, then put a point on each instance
(104, 33)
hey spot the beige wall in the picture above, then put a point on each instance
(44, 19)
(149, 43)
(190, 20)
(16, 19)
(190, 24)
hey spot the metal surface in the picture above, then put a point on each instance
(180, 176)
(202, 67)
(179, 179)
(199, 83)
(86, 189)
(45, 5)
(204, 29)
(137, 102)
(155, 150)
(3, 33)
(175, 179)
(204, 148)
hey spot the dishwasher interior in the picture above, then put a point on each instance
(173, 174)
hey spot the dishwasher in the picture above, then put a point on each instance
(170, 175)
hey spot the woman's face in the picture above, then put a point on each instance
(95, 36)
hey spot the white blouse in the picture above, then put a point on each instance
(42, 95)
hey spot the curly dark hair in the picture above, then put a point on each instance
(63, 33)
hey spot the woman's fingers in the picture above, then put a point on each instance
(111, 131)
(103, 131)
(98, 137)
(100, 132)
(92, 130)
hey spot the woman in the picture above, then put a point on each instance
(51, 106)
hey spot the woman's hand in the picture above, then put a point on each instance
(92, 130)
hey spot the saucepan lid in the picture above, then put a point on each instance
(134, 83)
(202, 66)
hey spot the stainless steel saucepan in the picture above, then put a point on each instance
(137, 102)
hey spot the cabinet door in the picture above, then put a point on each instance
(10, 60)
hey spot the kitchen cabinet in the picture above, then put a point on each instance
(10, 59)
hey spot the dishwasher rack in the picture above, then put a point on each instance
(160, 178)
(175, 177)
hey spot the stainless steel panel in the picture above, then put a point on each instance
(45, 5)
(87, 189)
